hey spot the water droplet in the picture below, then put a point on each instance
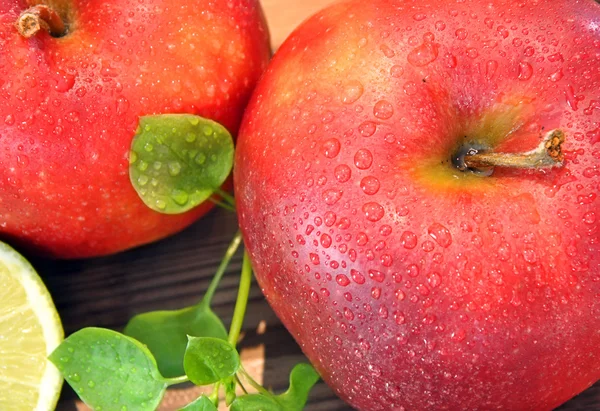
(314, 258)
(408, 240)
(376, 276)
(410, 88)
(434, 279)
(363, 159)
(440, 234)
(348, 314)
(556, 76)
(357, 276)
(490, 68)
(200, 158)
(352, 92)
(76, 377)
(143, 180)
(424, 54)
(91, 384)
(370, 185)
(122, 105)
(174, 168)
(525, 71)
(180, 197)
(440, 25)
(461, 34)
(342, 173)
(64, 81)
(399, 317)
(373, 211)
(342, 280)
(383, 110)
(362, 239)
(326, 240)
(530, 256)
(332, 196)
(419, 16)
(396, 71)
(330, 218)
(367, 129)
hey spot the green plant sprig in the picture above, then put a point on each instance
(177, 162)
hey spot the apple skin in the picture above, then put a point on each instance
(411, 285)
(69, 109)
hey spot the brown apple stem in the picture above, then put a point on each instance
(40, 17)
(547, 154)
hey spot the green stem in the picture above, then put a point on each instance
(226, 196)
(233, 246)
(177, 380)
(222, 204)
(214, 396)
(253, 383)
(242, 301)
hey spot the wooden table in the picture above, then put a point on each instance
(175, 272)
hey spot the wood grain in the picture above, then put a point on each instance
(175, 272)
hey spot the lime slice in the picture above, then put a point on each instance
(30, 330)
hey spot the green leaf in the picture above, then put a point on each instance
(208, 360)
(110, 371)
(166, 333)
(178, 160)
(202, 403)
(256, 402)
(302, 378)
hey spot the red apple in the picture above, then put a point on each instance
(413, 280)
(70, 105)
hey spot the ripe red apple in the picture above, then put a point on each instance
(411, 277)
(70, 105)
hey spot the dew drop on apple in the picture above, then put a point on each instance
(490, 68)
(525, 71)
(440, 234)
(363, 159)
(396, 71)
(408, 239)
(342, 280)
(367, 129)
(342, 173)
(383, 110)
(556, 76)
(353, 90)
(332, 196)
(370, 185)
(122, 106)
(461, 34)
(424, 54)
(376, 275)
(373, 211)
(357, 276)
(331, 148)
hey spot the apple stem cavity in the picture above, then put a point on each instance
(40, 17)
(547, 154)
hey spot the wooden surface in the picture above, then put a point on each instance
(175, 272)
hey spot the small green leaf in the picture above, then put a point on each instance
(178, 160)
(166, 333)
(230, 394)
(110, 371)
(208, 360)
(202, 403)
(256, 402)
(302, 378)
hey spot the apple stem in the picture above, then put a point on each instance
(40, 17)
(547, 154)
